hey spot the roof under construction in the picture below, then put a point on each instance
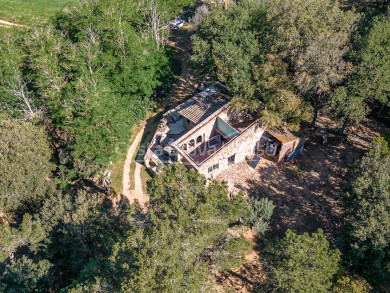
(283, 134)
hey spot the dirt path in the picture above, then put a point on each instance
(8, 24)
(182, 88)
(185, 85)
(137, 193)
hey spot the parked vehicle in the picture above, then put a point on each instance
(176, 24)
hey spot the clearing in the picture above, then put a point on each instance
(306, 193)
(25, 11)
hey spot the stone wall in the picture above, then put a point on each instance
(241, 147)
(287, 148)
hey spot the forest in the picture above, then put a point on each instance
(75, 85)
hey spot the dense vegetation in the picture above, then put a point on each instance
(368, 217)
(283, 55)
(71, 90)
(293, 58)
(90, 72)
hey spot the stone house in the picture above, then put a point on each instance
(207, 135)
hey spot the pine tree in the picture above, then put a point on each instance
(367, 217)
(304, 263)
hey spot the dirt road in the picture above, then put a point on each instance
(182, 88)
(186, 84)
(137, 193)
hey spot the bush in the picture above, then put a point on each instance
(259, 214)
(347, 284)
(381, 142)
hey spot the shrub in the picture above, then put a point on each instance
(259, 214)
(347, 284)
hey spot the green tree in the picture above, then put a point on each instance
(371, 80)
(304, 263)
(91, 71)
(367, 217)
(16, 98)
(81, 232)
(171, 248)
(348, 105)
(103, 71)
(374, 68)
(313, 38)
(227, 46)
(277, 54)
(30, 233)
(24, 164)
(233, 46)
(26, 276)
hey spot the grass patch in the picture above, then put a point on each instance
(26, 11)
(132, 175)
(133, 163)
(146, 175)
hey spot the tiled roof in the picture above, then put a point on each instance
(201, 107)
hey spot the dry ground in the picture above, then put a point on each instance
(137, 192)
(306, 193)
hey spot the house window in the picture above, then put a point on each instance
(231, 159)
(188, 121)
(191, 143)
(184, 146)
(213, 167)
(199, 139)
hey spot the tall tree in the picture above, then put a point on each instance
(226, 46)
(25, 165)
(30, 233)
(374, 69)
(26, 276)
(313, 38)
(16, 97)
(348, 104)
(304, 263)
(233, 46)
(279, 53)
(367, 217)
(81, 231)
(91, 71)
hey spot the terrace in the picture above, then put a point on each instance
(222, 133)
(207, 149)
(241, 120)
